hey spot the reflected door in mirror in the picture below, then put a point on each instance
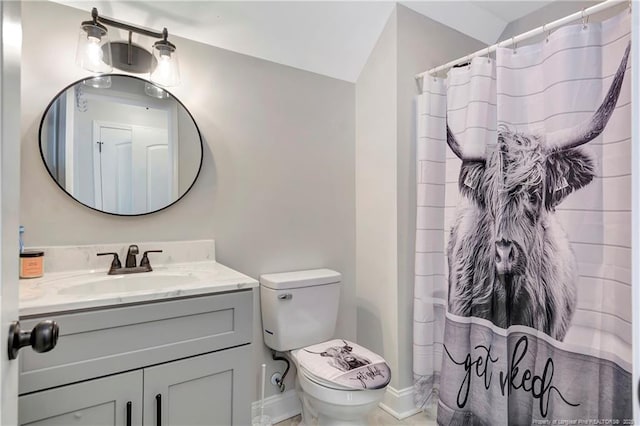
(133, 168)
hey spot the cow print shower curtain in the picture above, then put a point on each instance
(522, 310)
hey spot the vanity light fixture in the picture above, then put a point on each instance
(97, 54)
(94, 50)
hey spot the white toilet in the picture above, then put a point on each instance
(339, 382)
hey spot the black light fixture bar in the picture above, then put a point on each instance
(128, 27)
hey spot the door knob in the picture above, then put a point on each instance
(42, 338)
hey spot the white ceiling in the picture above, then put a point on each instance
(332, 38)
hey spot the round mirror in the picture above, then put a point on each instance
(120, 145)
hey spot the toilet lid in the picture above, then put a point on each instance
(343, 363)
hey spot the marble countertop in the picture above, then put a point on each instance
(87, 289)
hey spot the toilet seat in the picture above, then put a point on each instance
(340, 397)
(342, 365)
(320, 381)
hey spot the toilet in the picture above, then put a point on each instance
(339, 382)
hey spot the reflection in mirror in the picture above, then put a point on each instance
(120, 145)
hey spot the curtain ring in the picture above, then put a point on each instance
(515, 45)
(488, 55)
(544, 30)
(584, 20)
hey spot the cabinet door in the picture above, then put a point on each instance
(212, 389)
(92, 403)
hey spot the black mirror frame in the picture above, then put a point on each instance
(93, 208)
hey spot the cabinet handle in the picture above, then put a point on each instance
(159, 410)
(129, 413)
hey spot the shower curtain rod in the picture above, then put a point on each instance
(537, 31)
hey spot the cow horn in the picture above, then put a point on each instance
(453, 143)
(589, 130)
(457, 149)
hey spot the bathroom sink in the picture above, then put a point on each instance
(90, 287)
(128, 283)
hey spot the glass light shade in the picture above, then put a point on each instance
(99, 82)
(166, 73)
(94, 50)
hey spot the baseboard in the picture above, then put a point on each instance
(279, 407)
(399, 403)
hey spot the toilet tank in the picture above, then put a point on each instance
(299, 308)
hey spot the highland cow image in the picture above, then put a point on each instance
(509, 259)
(342, 357)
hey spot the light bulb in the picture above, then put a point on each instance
(164, 67)
(94, 51)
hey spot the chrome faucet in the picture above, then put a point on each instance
(130, 264)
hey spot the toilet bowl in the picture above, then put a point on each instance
(326, 403)
(339, 382)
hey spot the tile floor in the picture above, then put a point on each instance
(379, 418)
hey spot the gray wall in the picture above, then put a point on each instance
(276, 189)
(386, 180)
(376, 210)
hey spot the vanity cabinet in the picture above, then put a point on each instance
(204, 390)
(95, 402)
(187, 360)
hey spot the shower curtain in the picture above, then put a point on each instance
(522, 302)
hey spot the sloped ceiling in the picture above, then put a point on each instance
(332, 38)
(482, 20)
